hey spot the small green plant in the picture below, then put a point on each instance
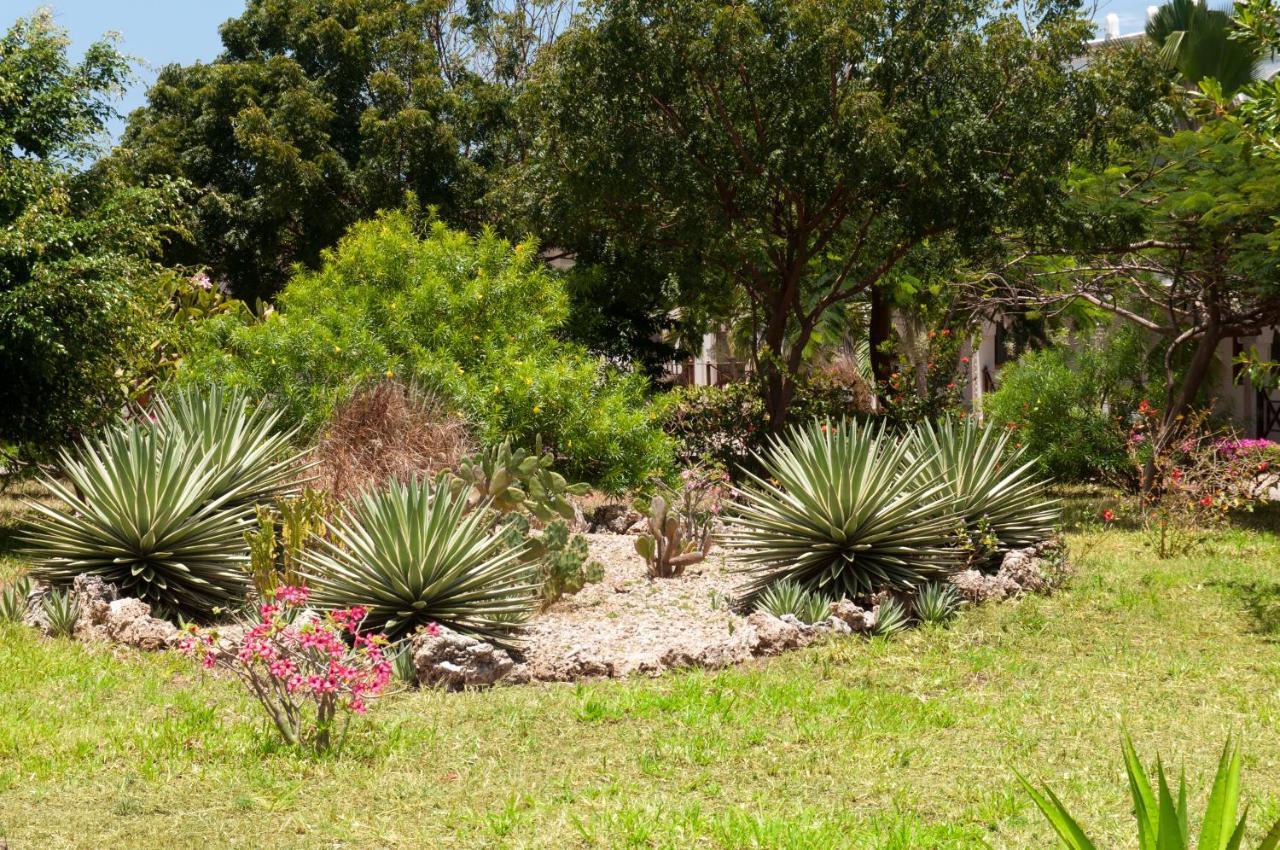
(13, 600)
(787, 597)
(563, 561)
(281, 534)
(63, 610)
(891, 618)
(937, 603)
(402, 663)
(1162, 816)
(262, 552)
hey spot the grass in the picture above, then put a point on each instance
(903, 744)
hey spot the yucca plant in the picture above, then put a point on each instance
(251, 456)
(787, 597)
(62, 610)
(841, 510)
(891, 618)
(411, 555)
(1162, 817)
(13, 600)
(936, 602)
(996, 493)
(139, 513)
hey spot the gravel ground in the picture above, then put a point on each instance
(628, 623)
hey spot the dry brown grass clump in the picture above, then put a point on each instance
(388, 430)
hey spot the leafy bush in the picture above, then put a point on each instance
(471, 319)
(161, 508)
(996, 493)
(1065, 405)
(1161, 815)
(843, 510)
(411, 555)
(303, 671)
(726, 426)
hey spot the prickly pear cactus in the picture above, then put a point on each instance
(515, 479)
(666, 548)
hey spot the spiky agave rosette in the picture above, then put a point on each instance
(842, 510)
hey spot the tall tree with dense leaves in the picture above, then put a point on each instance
(319, 113)
(77, 288)
(1181, 240)
(796, 151)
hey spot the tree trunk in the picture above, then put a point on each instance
(1178, 400)
(879, 333)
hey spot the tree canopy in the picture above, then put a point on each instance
(795, 152)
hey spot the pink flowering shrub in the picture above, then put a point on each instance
(306, 671)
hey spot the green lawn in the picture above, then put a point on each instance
(907, 744)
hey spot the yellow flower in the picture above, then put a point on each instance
(337, 350)
(390, 373)
(528, 382)
(537, 409)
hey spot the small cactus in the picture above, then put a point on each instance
(665, 548)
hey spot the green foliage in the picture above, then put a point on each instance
(283, 531)
(1162, 822)
(473, 319)
(843, 510)
(161, 508)
(989, 483)
(13, 600)
(78, 295)
(62, 610)
(412, 555)
(719, 141)
(1197, 41)
(1062, 405)
(936, 603)
(891, 618)
(563, 561)
(787, 597)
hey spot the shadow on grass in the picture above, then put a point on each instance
(1261, 601)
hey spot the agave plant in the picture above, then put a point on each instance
(13, 600)
(1162, 816)
(250, 454)
(842, 511)
(937, 602)
(787, 597)
(411, 555)
(995, 493)
(62, 609)
(891, 618)
(139, 513)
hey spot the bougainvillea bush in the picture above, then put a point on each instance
(474, 320)
(307, 669)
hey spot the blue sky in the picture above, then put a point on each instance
(184, 31)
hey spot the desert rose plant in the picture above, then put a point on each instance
(306, 669)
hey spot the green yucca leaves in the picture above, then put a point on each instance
(138, 513)
(252, 458)
(987, 482)
(891, 618)
(842, 510)
(787, 597)
(63, 611)
(13, 600)
(160, 507)
(937, 602)
(412, 555)
(1161, 817)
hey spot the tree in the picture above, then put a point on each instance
(1181, 241)
(797, 151)
(77, 289)
(318, 114)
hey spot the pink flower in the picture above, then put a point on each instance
(292, 594)
(1108, 515)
